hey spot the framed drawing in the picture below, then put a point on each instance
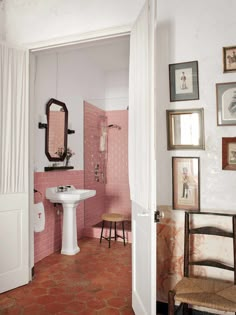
(229, 154)
(186, 183)
(183, 79)
(229, 59)
(185, 129)
(226, 103)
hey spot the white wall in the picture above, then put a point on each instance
(72, 76)
(30, 21)
(196, 30)
(2, 20)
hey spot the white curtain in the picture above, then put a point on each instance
(13, 120)
(139, 112)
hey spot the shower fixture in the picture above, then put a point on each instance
(114, 126)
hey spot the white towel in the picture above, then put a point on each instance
(39, 217)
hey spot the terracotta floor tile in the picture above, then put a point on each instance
(96, 281)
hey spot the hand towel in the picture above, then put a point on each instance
(39, 217)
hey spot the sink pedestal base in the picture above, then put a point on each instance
(69, 230)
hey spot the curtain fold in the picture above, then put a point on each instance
(13, 120)
(139, 112)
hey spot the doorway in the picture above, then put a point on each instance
(97, 72)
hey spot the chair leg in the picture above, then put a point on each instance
(102, 231)
(110, 235)
(171, 302)
(185, 309)
(123, 229)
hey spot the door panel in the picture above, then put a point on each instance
(142, 162)
(14, 262)
(144, 261)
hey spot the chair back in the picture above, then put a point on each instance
(208, 230)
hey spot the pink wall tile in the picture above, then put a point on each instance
(117, 198)
(49, 241)
(94, 207)
(113, 196)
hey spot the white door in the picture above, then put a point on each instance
(14, 174)
(142, 164)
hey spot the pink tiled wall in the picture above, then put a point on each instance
(113, 196)
(117, 198)
(94, 207)
(49, 241)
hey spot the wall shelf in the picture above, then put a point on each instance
(58, 168)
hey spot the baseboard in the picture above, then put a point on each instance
(162, 308)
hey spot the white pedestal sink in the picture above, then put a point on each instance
(69, 197)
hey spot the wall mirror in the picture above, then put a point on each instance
(185, 129)
(56, 135)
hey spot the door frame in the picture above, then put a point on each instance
(47, 45)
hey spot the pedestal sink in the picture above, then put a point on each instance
(69, 197)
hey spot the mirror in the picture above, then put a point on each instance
(56, 135)
(185, 129)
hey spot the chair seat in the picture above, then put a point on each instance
(113, 217)
(210, 293)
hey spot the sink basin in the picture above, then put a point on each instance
(69, 197)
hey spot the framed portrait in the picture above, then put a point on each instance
(183, 80)
(186, 183)
(229, 154)
(226, 103)
(229, 59)
(185, 129)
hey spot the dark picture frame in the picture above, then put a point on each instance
(226, 103)
(183, 80)
(229, 59)
(229, 153)
(185, 129)
(186, 183)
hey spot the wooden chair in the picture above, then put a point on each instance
(205, 292)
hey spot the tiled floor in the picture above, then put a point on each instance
(96, 281)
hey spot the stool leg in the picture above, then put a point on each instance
(123, 228)
(115, 232)
(102, 231)
(110, 235)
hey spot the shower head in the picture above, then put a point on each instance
(114, 126)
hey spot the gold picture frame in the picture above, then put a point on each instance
(185, 129)
(186, 183)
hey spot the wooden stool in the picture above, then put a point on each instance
(112, 217)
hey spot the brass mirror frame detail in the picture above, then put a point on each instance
(63, 105)
(171, 142)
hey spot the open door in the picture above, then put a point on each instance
(14, 170)
(142, 164)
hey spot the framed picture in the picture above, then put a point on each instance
(229, 59)
(185, 129)
(183, 79)
(226, 103)
(186, 183)
(229, 154)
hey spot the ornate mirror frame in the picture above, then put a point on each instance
(56, 131)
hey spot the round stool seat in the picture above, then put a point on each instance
(113, 217)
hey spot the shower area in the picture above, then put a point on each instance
(106, 167)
